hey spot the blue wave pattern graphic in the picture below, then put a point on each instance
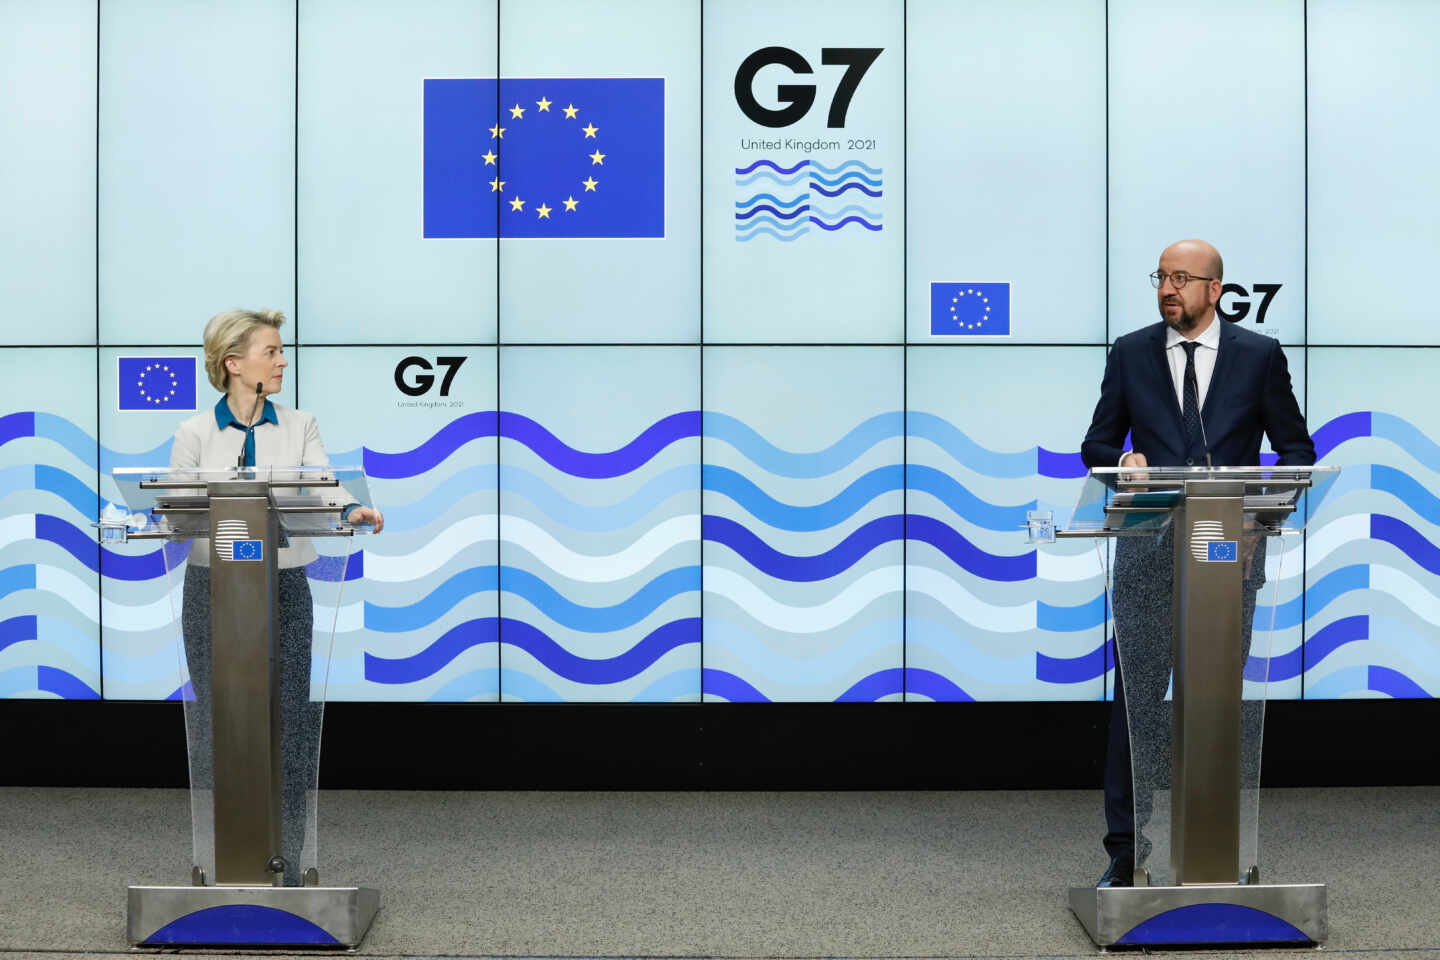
(1368, 615)
(786, 203)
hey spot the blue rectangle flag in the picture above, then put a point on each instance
(155, 383)
(248, 550)
(1222, 551)
(970, 309)
(554, 157)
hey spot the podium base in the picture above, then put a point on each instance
(1211, 914)
(318, 917)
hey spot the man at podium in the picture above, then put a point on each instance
(1189, 391)
(245, 361)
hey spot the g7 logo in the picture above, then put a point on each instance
(1242, 307)
(801, 96)
(424, 381)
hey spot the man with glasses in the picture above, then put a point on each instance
(1189, 391)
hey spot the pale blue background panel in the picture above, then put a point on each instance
(197, 164)
(419, 621)
(47, 170)
(600, 523)
(1006, 166)
(615, 288)
(988, 616)
(1374, 197)
(803, 523)
(141, 660)
(804, 221)
(367, 274)
(1207, 139)
(1373, 604)
(49, 560)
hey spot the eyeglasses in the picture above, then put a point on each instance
(1179, 278)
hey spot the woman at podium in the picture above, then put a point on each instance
(245, 361)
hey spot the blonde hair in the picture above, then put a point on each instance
(228, 335)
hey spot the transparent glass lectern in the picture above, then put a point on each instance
(256, 559)
(1194, 558)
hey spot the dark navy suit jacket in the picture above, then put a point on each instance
(1249, 395)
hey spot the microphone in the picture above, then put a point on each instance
(250, 424)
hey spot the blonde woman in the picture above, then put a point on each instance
(245, 361)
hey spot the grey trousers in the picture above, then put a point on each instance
(300, 716)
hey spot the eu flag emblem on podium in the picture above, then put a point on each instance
(555, 157)
(155, 383)
(970, 309)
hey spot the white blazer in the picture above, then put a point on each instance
(293, 442)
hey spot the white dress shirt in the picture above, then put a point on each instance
(1205, 355)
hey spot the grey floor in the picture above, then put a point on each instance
(709, 874)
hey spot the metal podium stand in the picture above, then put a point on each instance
(252, 709)
(1197, 560)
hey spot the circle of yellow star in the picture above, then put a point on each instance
(543, 104)
(589, 182)
(497, 132)
(590, 129)
(489, 156)
(544, 211)
(571, 203)
(497, 184)
(597, 157)
(517, 204)
(518, 112)
(570, 111)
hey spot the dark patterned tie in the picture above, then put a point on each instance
(1190, 412)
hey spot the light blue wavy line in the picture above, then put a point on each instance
(541, 595)
(658, 489)
(159, 668)
(82, 445)
(768, 175)
(771, 198)
(848, 164)
(974, 666)
(527, 688)
(484, 682)
(846, 659)
(849, 178)
(19, 680)
(1405, 488)
(63, 484)
(835, 217)
(1406, 436)
(1335, 685)
(446, 495)
(766, 231)
(1317, 597)
(63, 635)
(682, 685)
(970, 454)
(837, 456)
(754, 223)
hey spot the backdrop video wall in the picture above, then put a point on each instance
(709, 350)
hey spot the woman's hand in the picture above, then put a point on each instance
(364, 515)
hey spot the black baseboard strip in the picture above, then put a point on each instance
(793, 746)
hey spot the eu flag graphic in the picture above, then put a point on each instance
(155, 383)
(555, 157)
(970, 309)
(1221, 551)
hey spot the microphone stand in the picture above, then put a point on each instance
(250, 424)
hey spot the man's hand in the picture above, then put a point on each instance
(1132, 459)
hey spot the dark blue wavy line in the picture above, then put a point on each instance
(19, 629)
(766, 208)
(1410, 541)
(874, 227)
(1326, 641)
(16, 425)
(849, 186)
(847, 553)
(1335, 432)
(445, 441)
(719, 683)
(116, 566)
(1060, 466)
(67, 685)
(1395, 684)
(539, 645)
(1079, 669)
(883, 683)
(786, 171)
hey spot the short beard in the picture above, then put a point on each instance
(1185, 322)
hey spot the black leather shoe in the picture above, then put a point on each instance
(1120, 873)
